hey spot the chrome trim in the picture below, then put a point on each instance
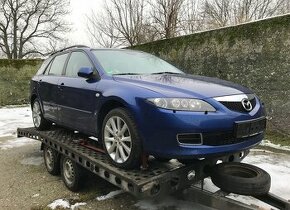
(235, 98)
(201, 139)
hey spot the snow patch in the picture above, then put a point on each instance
(268, 143)
(61, 203)
(77, 205)
(12, 118)
(16, 142)
(110, 195)
(35, 195)
(168, 202)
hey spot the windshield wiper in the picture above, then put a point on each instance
(167, 72)
(127, 74)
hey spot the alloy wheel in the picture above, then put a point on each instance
(117, 139)
(36, 114)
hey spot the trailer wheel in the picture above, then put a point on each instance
(241, 178)
(71, 174)
(51, 160)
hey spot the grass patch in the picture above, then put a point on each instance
(15, 81)
(278, 138)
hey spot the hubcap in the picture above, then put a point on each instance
(68, 171)
(117, 139)
(36, 114)
(49, 158)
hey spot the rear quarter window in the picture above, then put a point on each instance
(43, 66)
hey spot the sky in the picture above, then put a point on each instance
(79, 10)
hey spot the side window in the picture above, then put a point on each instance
(57, 65)
(76, 61)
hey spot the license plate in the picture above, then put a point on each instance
(250, 127)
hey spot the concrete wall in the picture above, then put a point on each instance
(256, 55)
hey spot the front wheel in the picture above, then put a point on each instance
(38, 120)
(51, 160)
(121, 139)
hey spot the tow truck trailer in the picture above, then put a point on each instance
(155, 179)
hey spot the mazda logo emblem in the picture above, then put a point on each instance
(247, 104)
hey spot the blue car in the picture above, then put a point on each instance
(136, 104)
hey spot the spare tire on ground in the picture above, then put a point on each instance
(241, 178)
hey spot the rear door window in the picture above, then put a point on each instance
(76, 61)
(57, 65)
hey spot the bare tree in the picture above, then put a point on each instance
(26, 26)
(121, 23)
(165, 15)
(192, 18)
(102, 31)
(231, 12)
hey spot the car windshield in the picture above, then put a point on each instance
(122, 62)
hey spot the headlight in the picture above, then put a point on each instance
(182, 104)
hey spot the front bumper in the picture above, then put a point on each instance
(159, 128)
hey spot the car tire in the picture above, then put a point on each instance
(241, 178)
(71, 174)
(121, 139)
(37, 116)
(51, 160)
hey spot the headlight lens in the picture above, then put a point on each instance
(182, 104)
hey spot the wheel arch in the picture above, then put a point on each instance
(32, 98)
(106, 107)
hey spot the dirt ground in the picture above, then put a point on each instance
(25, 184)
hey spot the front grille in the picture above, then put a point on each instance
(237, 105)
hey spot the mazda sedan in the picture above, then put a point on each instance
(136, 104)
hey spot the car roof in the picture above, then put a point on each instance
(76, 47)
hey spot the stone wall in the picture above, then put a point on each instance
(256, 55)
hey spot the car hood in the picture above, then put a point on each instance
(184, 85)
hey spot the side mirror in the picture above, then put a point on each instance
(86, 72)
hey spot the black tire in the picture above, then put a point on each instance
(43, 124)
(241, 178)
(134, 158)
(51, 160)
(71, 180)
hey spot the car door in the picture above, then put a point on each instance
(77, 95)
(48, 87)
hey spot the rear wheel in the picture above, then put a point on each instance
(121, 140)
(37, 116)
(71, 174)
